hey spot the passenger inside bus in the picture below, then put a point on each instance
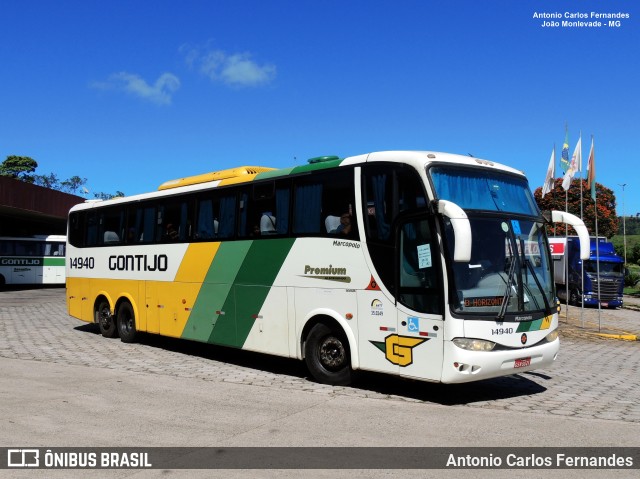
(344, 227)
(267, 224)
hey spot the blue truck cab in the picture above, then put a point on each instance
(603, 272)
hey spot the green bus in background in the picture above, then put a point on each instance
(32, 260)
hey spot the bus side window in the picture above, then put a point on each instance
(6, 247)
(318, 200)
(390, 189)
(76, 224)
(91, 239)
(307, 208)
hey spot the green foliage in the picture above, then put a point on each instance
(73, 184)
(22, 168)
(631, 280)
(606, 206)
(631, 225)
(107, 196)
(50, 181)
(633, 247)
(19, 168)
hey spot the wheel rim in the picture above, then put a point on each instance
(332, 353)
(127, 323)
(105, 318)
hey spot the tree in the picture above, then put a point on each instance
(19, 168)
(606, 204)
(22, 168)
(50, 181)
(107, 196)
(72, 184)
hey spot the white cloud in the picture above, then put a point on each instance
(237, 69)
(159, 93)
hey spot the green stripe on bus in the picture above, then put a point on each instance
(529, 326)
(273, 174)
(59, 261)
(254, 281)
(322, 165)
(214, 294)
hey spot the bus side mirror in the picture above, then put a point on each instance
(461, 229)
(578, 225)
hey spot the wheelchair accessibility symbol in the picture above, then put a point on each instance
(413, 324)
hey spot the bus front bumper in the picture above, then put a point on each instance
(461, 366)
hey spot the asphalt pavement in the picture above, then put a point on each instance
(621, 324)
(64, 385)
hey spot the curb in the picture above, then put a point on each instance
(621, 335)
(624, 337)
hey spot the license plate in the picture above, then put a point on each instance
(521, 363)
(604, 305)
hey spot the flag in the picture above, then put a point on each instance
(591, 172)
(551, 173)
(564, 159)
(576, 165)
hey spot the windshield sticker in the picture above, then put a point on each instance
(516, 227)
(424, 256)
(505, 227)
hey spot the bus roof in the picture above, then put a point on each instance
(36, 238)
(243, 174)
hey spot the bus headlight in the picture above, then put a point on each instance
(474, 344)
(552, 336)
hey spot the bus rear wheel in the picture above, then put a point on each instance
(126, 323)
(327, 355)
(105, 320)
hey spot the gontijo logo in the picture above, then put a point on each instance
(399, 349)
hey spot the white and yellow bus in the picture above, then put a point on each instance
(32, 259)
(426, 265)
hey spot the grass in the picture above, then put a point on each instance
(632, 241)
(635, 291)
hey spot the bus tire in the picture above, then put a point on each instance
(126, 323)
(327, 355)
(575, 298)
(106, 320)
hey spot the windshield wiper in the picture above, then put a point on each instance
(535, 278)
(507, 291)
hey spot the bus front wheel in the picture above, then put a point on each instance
(105, 320)
(126, 323)
(327, 355)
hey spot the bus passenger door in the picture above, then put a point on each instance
(418, 346)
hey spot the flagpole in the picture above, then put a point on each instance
(553, 191)
(592, 183)
(566, 252)
(566, 184)
(595, 211)
(582, 218)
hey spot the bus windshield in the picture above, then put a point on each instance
(481, 189)
(509, 272)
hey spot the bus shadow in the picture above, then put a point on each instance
(505, 387)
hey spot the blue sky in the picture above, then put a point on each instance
(129, 94)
